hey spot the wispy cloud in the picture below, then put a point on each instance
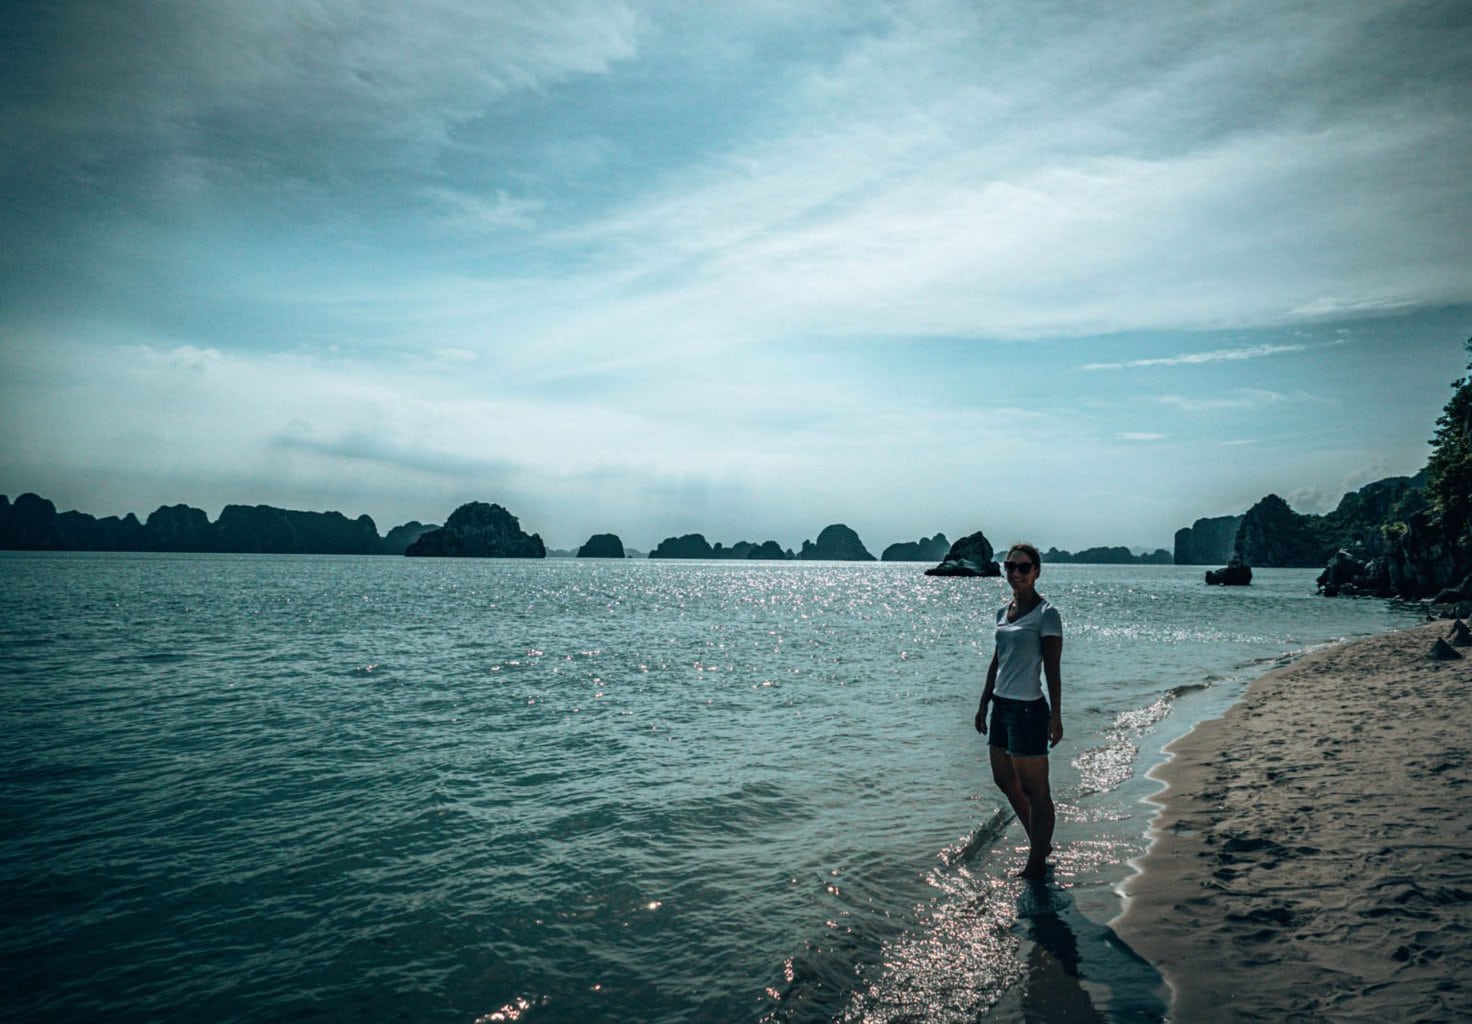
(1135, 435)
(1221, 355)
(184, 357)
(499, 211)
(1332, 306)
(1243, 398)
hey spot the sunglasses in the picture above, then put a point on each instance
(1021, 568)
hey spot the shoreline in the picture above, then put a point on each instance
(1312, 855)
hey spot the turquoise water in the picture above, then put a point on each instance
(335, 788)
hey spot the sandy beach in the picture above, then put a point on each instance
(1312, 860)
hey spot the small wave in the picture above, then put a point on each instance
(985, 836)
(1176, 692)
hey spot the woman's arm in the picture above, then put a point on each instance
(986, 694)
(1053, 672)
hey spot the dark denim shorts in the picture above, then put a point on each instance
(1019, 727)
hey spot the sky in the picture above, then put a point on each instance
(1079, 273)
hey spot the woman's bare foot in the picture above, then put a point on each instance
(1037, 864)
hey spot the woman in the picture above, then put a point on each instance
(1023, 724)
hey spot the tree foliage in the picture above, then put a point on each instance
(1449, 471)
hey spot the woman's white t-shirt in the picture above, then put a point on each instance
(1020, 651)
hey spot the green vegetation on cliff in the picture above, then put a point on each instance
(1416, 541)
(1449, 470)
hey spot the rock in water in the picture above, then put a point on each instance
(1236, 574)
(969, 556)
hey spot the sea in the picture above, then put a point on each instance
(299, 788)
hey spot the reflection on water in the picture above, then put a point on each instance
(1077, 970)
(995, 947)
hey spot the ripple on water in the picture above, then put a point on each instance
(266, 788)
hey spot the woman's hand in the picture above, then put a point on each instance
(981, 718)
(1055, 730)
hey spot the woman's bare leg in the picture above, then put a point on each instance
(1006, 778)
(1031, 774)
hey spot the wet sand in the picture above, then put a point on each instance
(1312, 860)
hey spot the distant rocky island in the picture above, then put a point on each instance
(926, 549)
(694, 545)
(32, 523)
(1108, 556)
(1406, 536)
(476, 529)
(602, 545)
(1367, 525)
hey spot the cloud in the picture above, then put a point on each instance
(1332, 306)
(1225, 355)
(185, 357)
(271, 94)
(497, 213)
(1133, 435)
(1243, 398)
(376, 454)
(1133, 202)
(927, 168)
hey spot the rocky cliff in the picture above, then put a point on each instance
(32, 522)
(1412, 537)
(479, 530)
(1106, 556)
(397, 541)
(691, 545)
(969, 556)
(1209, 541)
(602, 545)
(926, 549)
(1393, 543)
(179, 528)
(1272, 534)
(836, 543)
(264, 529)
